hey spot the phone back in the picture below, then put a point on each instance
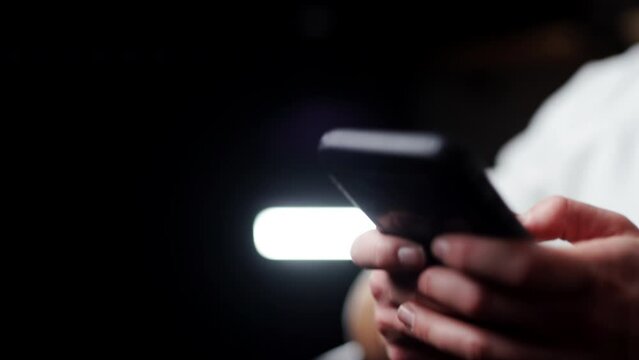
(416, 184)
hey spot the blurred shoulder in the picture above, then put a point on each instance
(581, 140)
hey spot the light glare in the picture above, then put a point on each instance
(308, 233)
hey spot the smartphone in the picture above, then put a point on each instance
(416, 185)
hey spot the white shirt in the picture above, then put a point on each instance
(583, 142)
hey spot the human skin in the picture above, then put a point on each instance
(497, 299)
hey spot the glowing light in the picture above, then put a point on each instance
(308, 233)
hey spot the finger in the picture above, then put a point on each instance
(470, 298)
(399, 344)
(558, 217)
(468, 341)
(388, 326)
(379, 251)
(513, 263)
(391, 329)
(387, 292)
(477, 301)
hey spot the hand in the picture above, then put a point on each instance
(402, 261)
(512, 299)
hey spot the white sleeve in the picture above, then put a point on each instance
(583, 142)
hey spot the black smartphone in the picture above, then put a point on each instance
(416, 184)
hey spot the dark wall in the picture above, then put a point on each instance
(142, 142)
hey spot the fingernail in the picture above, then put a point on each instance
(411, 256)
(406, 316)
(440, 247)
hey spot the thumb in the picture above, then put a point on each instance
(557, 217)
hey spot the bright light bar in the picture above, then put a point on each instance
(308, 233)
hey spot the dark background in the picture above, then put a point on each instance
(140, 143)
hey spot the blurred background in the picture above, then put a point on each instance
(141, 142)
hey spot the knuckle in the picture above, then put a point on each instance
(381, 321)
(377, 283)
(375, 288)
(554, 207)
(557, 204)
(557, 200)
